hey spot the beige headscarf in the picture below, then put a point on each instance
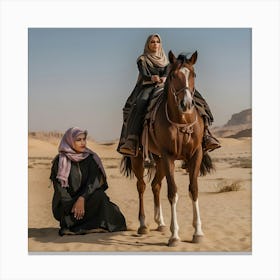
(158, 59)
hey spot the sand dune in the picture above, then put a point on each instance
(226, 216)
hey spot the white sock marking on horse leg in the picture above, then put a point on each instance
(196, 219)
(174, 224)
(158, 216)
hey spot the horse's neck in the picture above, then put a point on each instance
(172, 109)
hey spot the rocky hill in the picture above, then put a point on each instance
(240, 125)
(244, 117)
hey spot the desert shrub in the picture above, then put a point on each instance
(228, 187)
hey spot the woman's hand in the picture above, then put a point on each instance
(155, 78)
(162, 79)
(79, 208)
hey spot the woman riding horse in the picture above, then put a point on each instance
(175, 132)
(153, 70)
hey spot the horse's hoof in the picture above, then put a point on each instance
(173, 242)
(197, 238)
(161, 228)
(143, 230)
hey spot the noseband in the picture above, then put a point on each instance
(176, 93)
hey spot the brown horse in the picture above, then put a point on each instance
(176, 133)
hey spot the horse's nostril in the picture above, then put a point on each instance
(183, 106)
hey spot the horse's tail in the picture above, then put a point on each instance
(126, 169)
(206, 165)
(126, 166)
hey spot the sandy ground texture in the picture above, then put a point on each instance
(226, 216)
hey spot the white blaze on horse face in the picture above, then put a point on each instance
(186, 72)
(187, 102)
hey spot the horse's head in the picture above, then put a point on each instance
(181, 80)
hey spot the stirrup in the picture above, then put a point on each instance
(184, 164)
(148, 163)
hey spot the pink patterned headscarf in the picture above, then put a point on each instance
(68, 154)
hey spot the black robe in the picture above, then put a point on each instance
(87, 180)
(136, 105)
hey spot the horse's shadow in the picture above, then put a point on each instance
(50, 235)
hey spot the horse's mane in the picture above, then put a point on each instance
(183, 57)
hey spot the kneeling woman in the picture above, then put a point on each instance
(80, 203)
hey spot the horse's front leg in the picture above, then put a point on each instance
(173, 199)
(156, 187)
(193, 193)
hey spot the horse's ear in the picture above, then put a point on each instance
(193, 58)
(171, 57)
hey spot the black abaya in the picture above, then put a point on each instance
(87, 180)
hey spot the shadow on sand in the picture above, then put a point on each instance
(50, 235)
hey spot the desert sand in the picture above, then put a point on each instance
(226, 216)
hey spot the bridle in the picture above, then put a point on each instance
(176, 93)
(185, 128)
(186, 71)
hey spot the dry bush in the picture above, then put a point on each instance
(228, 187)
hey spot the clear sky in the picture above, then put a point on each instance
(82, 77)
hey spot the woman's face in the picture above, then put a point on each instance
(154, 44)
(80, 143)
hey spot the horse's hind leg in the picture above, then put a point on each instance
(156, 187)
(138, 169)
(141, 186)
(173, 199)
(193, 193)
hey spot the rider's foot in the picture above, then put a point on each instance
(210, 143)
(149, 163)
(128, 148)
